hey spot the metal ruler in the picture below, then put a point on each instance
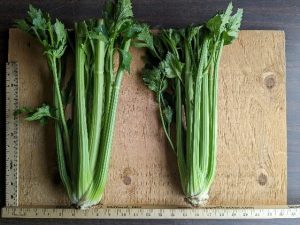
(13, 211)
(12, 133)
(140, 213)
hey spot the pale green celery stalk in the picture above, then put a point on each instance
(205, 140)
(109, 75)
(61, 157)
(200, 50)
(59, 105)
(200, 144)
(83, 164)
(179, 145)
(84, 177)
(188, 109)
(62, 138)
(101, 170)
(214, 117)
(97, 102)
(53, 38)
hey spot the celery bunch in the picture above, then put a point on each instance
(183, 74)
(84, 136)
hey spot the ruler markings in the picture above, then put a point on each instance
(12, 134)
(135, 213)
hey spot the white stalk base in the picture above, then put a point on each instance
(198, 200)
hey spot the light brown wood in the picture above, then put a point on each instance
(252, 131)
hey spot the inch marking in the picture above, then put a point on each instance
(135, 213)
(12, 134)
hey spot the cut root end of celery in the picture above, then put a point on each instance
(85, 204)
(198, 200)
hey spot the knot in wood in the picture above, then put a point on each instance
(262, 179)
(126, 176)
(126, 180)
(270, 81)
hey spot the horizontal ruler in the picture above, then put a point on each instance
(140, 213)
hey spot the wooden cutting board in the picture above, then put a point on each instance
(252, 147)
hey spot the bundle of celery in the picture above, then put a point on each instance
(84, 136)
(183, 73)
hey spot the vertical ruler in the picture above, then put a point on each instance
(12, 134)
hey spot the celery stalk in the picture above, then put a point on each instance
(191, 78)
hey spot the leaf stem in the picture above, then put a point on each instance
(66, 136)
(163, 122)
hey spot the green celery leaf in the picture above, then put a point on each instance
(23, 110)
(214, 24)
(125, 59)
(60, 32)
(117, 14)
(143, 37)
(40, 114)
(131, 30)
(168, 115)
(227, 14)
(170, 37)
(40, 23)
(218, 23)
(23, 25)
(123, 10)
(34, 12)
(190, 32)
(97, 36)
(152, 79)
(171, 66)
(60, 39)
(99, 33)
(164, 85)
(160, 49)
(233, 26)
(53, 37)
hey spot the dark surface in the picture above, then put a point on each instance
(259, 14)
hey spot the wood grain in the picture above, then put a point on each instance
(259, 14)
(252, 131)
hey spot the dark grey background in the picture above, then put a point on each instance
(259, 14)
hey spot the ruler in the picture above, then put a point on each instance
(271, 212)
(12, 133)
